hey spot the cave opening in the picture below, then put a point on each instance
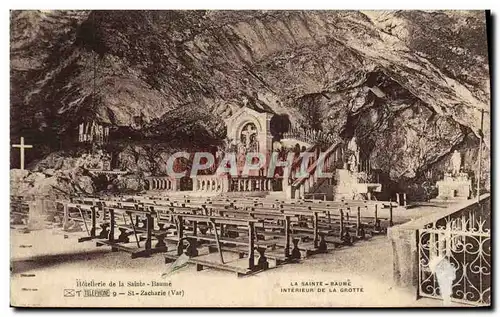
(280, 123)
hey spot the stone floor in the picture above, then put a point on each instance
(55, 261)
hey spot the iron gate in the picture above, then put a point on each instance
(462, 240)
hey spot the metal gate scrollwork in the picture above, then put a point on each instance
(463, 241)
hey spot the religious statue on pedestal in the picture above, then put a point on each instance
(80, 132)
(456, 162)
(353, 163)
(456, 185)
(353, 155)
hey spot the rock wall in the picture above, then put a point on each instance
(409, 84)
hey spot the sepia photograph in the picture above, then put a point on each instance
(250, 158)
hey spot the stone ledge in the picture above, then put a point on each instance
(454, 206)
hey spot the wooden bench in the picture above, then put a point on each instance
(109, 226)
(270, 254)
(221, 242)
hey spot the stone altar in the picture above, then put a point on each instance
(454, 186)
(349, 187)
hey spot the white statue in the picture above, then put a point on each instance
(84, 136)
(353, 163)
(353, 146)
(100, 133)
(80, 132)
(93, 129)
(106, 134)
(456, 162)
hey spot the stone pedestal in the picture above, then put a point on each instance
(454, 187)
(345, 187)
(404, 257)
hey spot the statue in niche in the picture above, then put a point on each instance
(248, 137)
(254, 144)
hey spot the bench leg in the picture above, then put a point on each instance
(377, 228)
(322, 247)
(123, 237)
(199, 267)
(347, 238)
(191, 250)
(295, 251)
(362, 232)
(104, 231)
(262, 263)
(161, 243)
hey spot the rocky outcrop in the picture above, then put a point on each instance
(62, 183)
(409, 84)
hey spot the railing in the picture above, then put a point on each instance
(454, 254)
(161, 183)
(308, 136)
(251, 184)
(215, 183)
(302, 185)
(315, 195)
(106, 172)
(210, 183)
(297, 161)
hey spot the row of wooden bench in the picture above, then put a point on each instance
(242, 227)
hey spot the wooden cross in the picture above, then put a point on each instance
(22, 146)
